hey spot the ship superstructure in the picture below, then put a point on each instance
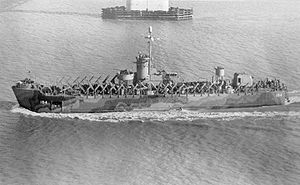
(149, 89)
(151, 5)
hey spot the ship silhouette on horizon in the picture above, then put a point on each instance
(145, 9)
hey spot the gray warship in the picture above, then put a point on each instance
(148, 89)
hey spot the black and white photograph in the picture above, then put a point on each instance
(149, 92)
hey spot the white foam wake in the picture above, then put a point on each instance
(183, 115)
(294, 96)
(294, 92)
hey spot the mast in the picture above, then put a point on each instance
(150, 40)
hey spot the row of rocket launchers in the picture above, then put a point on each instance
(86, 87)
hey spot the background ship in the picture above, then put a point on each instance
(144, 9)
(149, 89)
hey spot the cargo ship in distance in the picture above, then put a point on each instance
(145, 9)
(148, 89)
(173, 14)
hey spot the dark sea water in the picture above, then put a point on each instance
(57, 38)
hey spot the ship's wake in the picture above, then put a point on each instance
(294, 97)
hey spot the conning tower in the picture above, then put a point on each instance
(142, 67)
(144, 62)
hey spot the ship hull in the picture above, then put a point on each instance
(30, 99)
(27, 98)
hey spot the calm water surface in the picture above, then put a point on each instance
(57, 38)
